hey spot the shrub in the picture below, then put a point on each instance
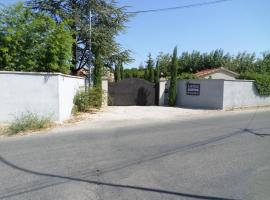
(84, 101)
(186, 76)
(28, 122)
(110, 100)
(262, 82)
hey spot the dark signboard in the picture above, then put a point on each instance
(193, 89)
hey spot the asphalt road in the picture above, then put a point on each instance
(216, 158)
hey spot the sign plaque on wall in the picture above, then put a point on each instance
(193, 89)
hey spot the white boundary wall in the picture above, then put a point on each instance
(211, 94)
(216, 94)
(45, 94)
(242, 93)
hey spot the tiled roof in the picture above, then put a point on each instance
(207, 72)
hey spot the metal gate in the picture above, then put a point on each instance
(133, 91)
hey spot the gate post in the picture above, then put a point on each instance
(162, 91)
(104, 87)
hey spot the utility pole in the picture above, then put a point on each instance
(90, 49)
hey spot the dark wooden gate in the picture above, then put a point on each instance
(133, 91)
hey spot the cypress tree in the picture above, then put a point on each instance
(152, 75)
(157, 72)
(150, 69)
(97, 75)
(117, 73)
(145, 76)
(122, 71)
(172, 90)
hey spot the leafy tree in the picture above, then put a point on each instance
(263, 65)
(134, 72)
(242, 62)
(157, 72)
(119, 59)
(164, 63)
(150, 69)
(172, 89)
(33, 41)
(108, 20)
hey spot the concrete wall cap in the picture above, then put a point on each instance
(40, 74)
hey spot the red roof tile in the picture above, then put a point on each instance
(207, 72)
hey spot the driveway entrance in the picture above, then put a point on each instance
(133, 92)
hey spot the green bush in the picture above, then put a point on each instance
(186, 76)
(28, 122)
(110, 100)
(262, 82)
(84, 101)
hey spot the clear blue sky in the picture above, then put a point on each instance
(237, 25)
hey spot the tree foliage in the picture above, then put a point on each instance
(121, 71)
(150, 69)
(118, 60)
(173, 79)
(108, 20)
(157, 72)
(186, 76)
(164, 63)
(145, 74)
(262, 82)
(134, 73)
(33, 41)
(117, 72)
(98, 71)
(192, 62)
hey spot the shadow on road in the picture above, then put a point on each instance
(255, 132)
(194, 196)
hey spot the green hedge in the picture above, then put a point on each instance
(186, 76)
(262, 82)
(84, 101)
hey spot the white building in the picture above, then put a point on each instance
(217, 73)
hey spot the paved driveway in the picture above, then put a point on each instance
(218, 156)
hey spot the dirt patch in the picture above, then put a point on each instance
(249, 108)
(82, 116)
(118, 113)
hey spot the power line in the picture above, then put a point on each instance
(179, 7)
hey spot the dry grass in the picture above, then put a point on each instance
(81, 116)
(29, 122)
(78, 117)
(3, 129)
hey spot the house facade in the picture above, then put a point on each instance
(217, 73)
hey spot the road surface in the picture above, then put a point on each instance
(220, 157)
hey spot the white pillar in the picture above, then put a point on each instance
(162, 88)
